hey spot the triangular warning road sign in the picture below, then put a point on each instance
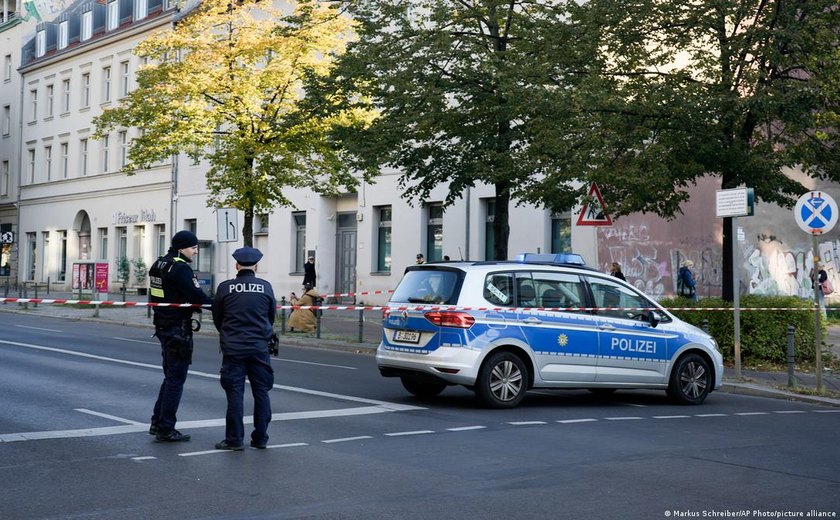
(594, 213)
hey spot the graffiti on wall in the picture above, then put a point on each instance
(784, 271)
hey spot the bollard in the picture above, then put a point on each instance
(6, 291)
(790, 356)
(705, 326)
(35, 304)
(283, 315)
(48, 285)
(361, 325)
(25, 305)
(318, 324)
(95, 295)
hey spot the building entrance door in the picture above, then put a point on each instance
(345, 248)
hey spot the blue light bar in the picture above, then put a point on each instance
(553, 258)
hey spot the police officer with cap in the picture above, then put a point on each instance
(171, 280)
(243, 312)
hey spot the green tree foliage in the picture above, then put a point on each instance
(226, 85)
(453, 81)
(734, 89)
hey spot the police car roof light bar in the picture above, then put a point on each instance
(551, 258)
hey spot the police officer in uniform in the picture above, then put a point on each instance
(171, 280)
(243, 312)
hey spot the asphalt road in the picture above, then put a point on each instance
(346, 443)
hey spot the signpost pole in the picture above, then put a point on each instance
(736, 296)
(817, 315)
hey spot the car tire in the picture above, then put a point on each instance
(423, 388)
(602, 391)
(691, 380)
(502, 380)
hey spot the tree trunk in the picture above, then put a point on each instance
(248, 228)
(726, 261)
(501, 221)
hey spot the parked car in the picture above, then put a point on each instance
(542, 321)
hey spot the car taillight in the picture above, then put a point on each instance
(460, 320)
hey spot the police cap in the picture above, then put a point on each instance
(247, 256)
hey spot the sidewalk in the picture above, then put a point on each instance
(341, 330)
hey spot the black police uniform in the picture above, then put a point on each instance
(172, 280)
(243, 312)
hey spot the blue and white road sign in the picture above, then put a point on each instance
(816, 212)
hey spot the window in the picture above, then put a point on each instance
(103, 243)
(83, 153)
(498, 289)
(191, 225)
(50, 99)
(106, 153)
(7, 68)
(48, 161)
(383, 244)
(32, 255)
(31, 169)
(139, 241)
(122, 245)
(434, 233)
(33, 98)
(5, 180)
(86, 90)
(561, 233)
(261, 223)
(5, 252)
(123, 137)
(160, 233)
(489, 229)
(65, 96)
(616, 297)
(7, 119)
(299, 220)
(113, 20)
(106, 83)
(40, 43)
(125, 78)
(63, 32)
(62, 261)
(87, 25)
(141, 9)
(558, 290)
(65, 160)
(45, 247)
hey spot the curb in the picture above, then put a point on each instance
(754, 390)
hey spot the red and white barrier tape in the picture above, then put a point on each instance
(395, 308)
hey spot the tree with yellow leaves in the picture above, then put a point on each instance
(228, 84)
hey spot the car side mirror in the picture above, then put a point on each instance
(653, 318)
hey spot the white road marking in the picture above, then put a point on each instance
(623, 418)
(827, 411)
(671, 416)
(38, 328)
(711, 415)
(107, 416)
(347, 439)
(137, 341)
(290, 445)
(573, 421)
(143, 458)
(312, 363)
(752, 413)
(526, 423)
(417, 432)
(465, 428)
(789, 411)
(205, 452)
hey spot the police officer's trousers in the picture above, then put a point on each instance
(176, 363)
(257, 367)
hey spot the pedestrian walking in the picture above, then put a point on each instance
(615, 270)
(309, 271)
(243, 312)
(171, 280)
(686, 285)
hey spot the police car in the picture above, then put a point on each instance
(543, 321)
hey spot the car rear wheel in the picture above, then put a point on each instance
(423, 388)
(502, 380)
(691, 380)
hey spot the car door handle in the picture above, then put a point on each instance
(606, 326)
(532, 320)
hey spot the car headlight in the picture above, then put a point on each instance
(714, 344)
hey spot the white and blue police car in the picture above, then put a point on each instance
(542, 321)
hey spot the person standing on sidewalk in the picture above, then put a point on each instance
(171, 280)
(686, 284)
(309, 271)
(243, 312)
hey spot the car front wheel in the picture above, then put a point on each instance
(691, 380)
(502, 380)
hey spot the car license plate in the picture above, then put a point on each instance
(408, 336)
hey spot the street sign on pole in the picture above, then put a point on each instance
(737, 202)
(594, 213)
(816, 212)
(227, 225)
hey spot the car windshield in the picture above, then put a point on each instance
(436, 286)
